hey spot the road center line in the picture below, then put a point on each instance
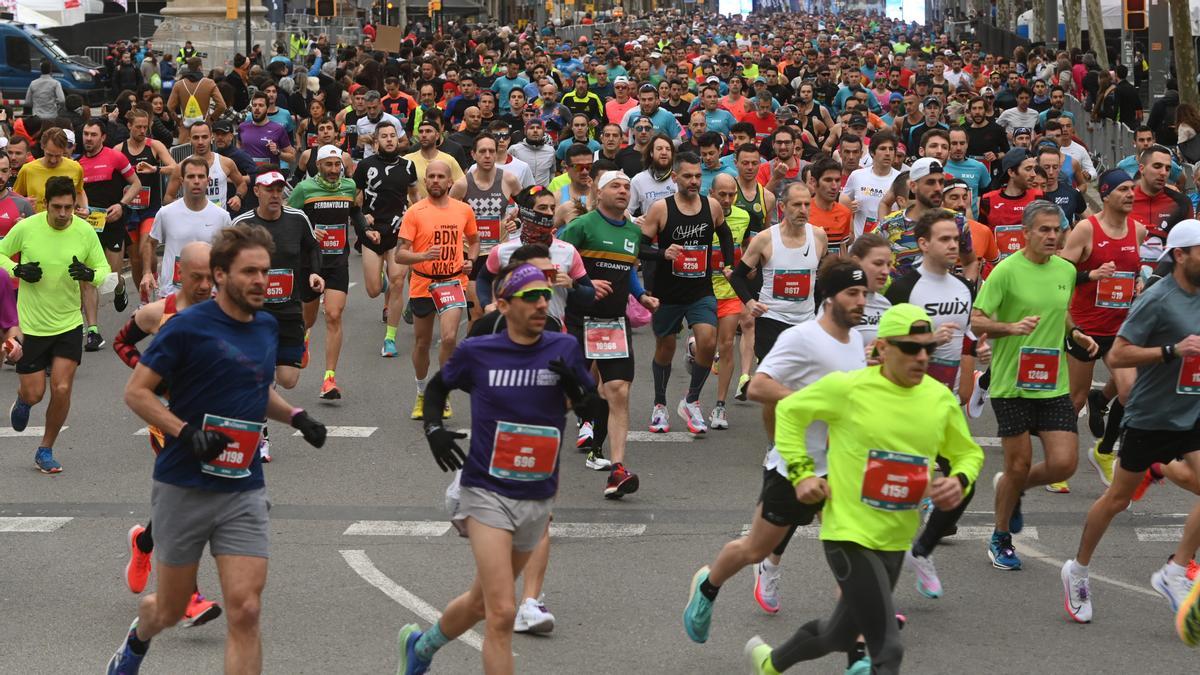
(362, 565)
(36, 432)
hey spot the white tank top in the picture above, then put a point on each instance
(218, 182)
(788, 279)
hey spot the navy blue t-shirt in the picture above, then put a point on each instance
(219, 366)
(510, 383)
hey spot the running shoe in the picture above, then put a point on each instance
(418, 411)
(1096, 410)
(45, 462)
(860, 667)
(1077, 594)
(758, 653)
(389, 349)
(928, 583)
(447, 411)
(199, 611)
(660, 419)
(697, 615)
(692, 416)
(1153, 476)
(124, 661)
(743, 385)
(18, 414)
(120, 297)
(137, 570)
(264, 449)
(94, 342)
(1173, 587)
(532, 617)
(596, 460)
(979, 398)
(716, 418)
(1187, 618)
(1193, 570)
(410, 662)
(407, 314)
(304, 356)
(1059, 488)
(621, 482)
(1102, 463)
(766, 587)
(1002, 553)
(330, 390)
(586, 434)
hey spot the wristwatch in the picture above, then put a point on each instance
(1168, 353)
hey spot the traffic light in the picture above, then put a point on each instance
(326, 8)
(1135, 15)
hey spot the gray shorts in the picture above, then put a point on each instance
(525, 518)
(185, 519)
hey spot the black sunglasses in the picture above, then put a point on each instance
(914, 348)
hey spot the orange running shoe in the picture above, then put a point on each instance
(330, 390)
(1153, 475)
(1193, 570)
(137, 570)
(304, 358)
(199, 611)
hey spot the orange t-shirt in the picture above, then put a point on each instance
(426, 225)
(836, 221)
(983, 241)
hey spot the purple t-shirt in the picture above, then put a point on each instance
(510, 383)
(255, 137)
(8, 302)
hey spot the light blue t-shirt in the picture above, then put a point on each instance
(663, 121)
(502, 85)
(976, 176)
(707, 176)
(1130, 166)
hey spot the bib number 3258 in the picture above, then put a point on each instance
(524, 452)
(894, 481)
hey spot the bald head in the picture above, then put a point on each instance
(724, 189)
(195, 253)
(195, 272)
(438, 179)
(724, 180)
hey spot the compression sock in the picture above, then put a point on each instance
(708, 590)
(390, 333)
(137, 646)
(421, 382)
(430, 641)
(662, 375)
(699, 377)
(1112, 428)
(93, 329)
(145, 540)
(329, 374)
(856, 654)
(720, 404)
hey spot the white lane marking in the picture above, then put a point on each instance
(362, 565)
(988, 441)
(32, 524)
(965, 533)
(398, 528)
(596, 530)
(1172, 533)
(144, 431)
(347, 432)
(1031, 552)
(8, 432)
(651, 437)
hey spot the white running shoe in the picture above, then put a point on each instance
(264, 449)
(693, 416)
(766, 587)
(716, 418)
(1173, 587)
(979, 398)
(596, 461)
(532, 617)
(585, 437)
(1077, 593)
(660, 420)
(928, 583)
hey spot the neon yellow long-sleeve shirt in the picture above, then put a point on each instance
(868, 413)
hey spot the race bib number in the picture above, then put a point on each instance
(447, 295)
(835, 249)
(235, 461)
(334, 241)
(718, 258)
(1115, 291)
(692, 262)
(793, 285)
(97, 218)
(143, 198)
(524, 452)
(870, 224)
(260, 162)
(1009, 239)
(279, 285)
(489, 231)
(176, 273)
(605, 339)
(1037, 369)
(944, 371)
(1189, 376)
(894, 481)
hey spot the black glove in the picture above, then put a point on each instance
(313, 431)
(445, 450)
(79, 271)
(205, 445)
(29, 271)
(585, 402)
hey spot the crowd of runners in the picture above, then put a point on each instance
(867, 229)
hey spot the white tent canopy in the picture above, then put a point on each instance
(51, 13)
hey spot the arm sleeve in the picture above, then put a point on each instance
(740, 282)
(584, 292)
(635, 284)
(125, 344)
(821, 400)
(359, 221)
(725, 237)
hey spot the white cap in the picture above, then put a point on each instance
(70, 136)
(329, 151)
(609, 176)
(270, 178)
(711, 79)
(621, 79)
(655, 55)
(923, 167)
(1183, 234)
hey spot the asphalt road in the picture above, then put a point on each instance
(360, 547)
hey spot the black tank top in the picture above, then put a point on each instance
(151, 185)
(689, 279)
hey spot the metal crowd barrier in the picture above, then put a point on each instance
(1108, 141)
(96, 54)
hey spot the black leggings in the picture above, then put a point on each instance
(866, 578)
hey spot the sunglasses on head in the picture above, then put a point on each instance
(913, 348)
(534, 294)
